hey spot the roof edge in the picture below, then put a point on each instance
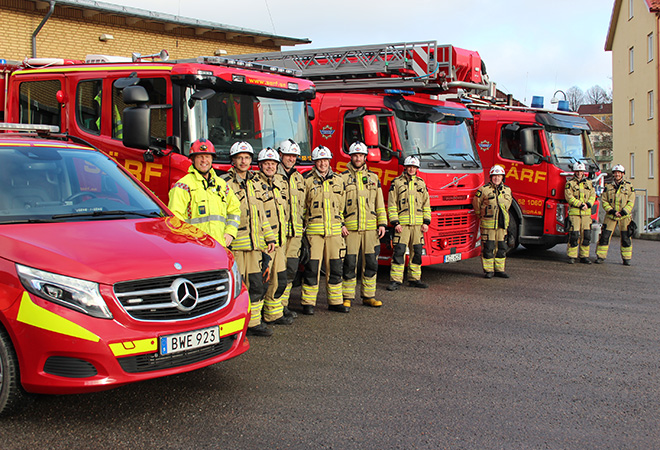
(172, 18)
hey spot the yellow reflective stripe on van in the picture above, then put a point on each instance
(134, 347)
(231, 327)
(31, 314)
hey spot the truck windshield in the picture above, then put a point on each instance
(226, 118)
(440, 143)
(50, 184)
(567, 147)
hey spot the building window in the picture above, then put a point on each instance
(650, 210)
(649, 46)
(630, 8)
(651, 171)
(632, 165)
(632, 111)
(631, 59)
(651, 104)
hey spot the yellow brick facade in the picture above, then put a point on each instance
(73, 33)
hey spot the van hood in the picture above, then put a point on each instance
(110, 251)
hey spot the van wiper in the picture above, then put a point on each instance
(116, 213)
(474, 161)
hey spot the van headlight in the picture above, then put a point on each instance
(236, 280)
(79, 295)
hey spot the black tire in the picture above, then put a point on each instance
(538, 247)
(12, 394)
(513, 231)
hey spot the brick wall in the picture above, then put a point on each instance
(72, 34)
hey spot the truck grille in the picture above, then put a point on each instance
(452, 220)
(177, 297)
(154, 361)
(452, 241)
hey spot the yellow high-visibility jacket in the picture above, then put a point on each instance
(491, 204)
(324, 203)
(365, 204)
(210, 204)
(254, 232)
(408, 201)
(578, 193)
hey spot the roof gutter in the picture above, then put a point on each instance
(43, 22)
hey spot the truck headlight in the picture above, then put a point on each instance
(236, 279)
(79, 295)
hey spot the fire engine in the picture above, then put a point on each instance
(146, 113)
(386, 95)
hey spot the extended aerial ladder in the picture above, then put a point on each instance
(420, 66)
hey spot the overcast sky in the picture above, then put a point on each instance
(530, 47)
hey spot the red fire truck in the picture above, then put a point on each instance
(386, 96)
(537, 149)
(145, 114)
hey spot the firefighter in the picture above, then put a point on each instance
(276, 205)
(491, 205)
(410, 214)
(203, 199)
(255, 240)
(324, 226)
(618, 201)
(580, 195)
(289, 153)
(366, 219)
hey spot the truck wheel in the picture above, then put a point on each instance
(513, 232)
(11, 391)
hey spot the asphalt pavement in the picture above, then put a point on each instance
(558, 356)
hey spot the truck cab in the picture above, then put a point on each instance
(537, 149)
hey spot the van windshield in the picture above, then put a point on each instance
(52, 184)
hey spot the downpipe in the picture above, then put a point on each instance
(41, 25)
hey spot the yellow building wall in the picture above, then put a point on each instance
(642, 136)
(69, 34)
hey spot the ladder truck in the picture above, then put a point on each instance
(387, 96)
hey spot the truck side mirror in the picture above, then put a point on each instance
(136, 120)
(371, 131)
(527, 141)
(528, 159)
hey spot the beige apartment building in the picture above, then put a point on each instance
(72, 29)
(633, 40)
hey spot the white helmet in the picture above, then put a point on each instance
(357, 147)
(289, 147)
(496, 170)
(268, 154)
(241, 147)
(618, 168)
(411, 161)
(579, 166)
(321, 152)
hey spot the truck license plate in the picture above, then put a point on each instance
(175, 343)
(453, 258)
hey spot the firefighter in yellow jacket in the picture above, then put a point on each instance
(276, 204)
(580, 194)
(409, 212)
(255, 240)
(324, 225)
(618, 201)
(289, 154)
(203, 199)
(366, 219)
(491, 204)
